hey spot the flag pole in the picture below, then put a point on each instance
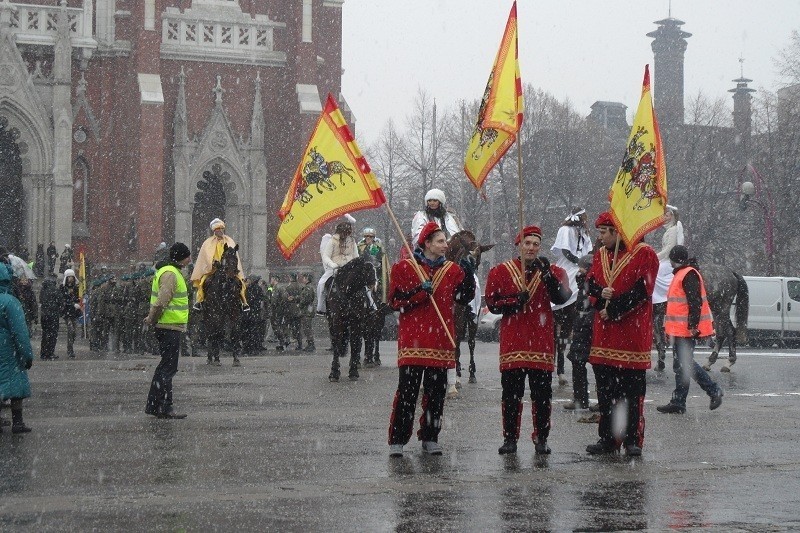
(419, 271)
(520, 218)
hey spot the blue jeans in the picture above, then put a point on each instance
(685, 366)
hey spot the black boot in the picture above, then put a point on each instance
(509, 446)
(17, 425)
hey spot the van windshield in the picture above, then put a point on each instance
(793, 288)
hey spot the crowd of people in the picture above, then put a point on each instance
(594, 305)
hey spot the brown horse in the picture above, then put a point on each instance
(222, 305)
(461, 245)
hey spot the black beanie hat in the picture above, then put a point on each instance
(179, 252)
(679, 254)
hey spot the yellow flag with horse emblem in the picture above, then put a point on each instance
(638, 194)
(332, 179)
(500, 113)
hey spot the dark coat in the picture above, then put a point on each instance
(582, 326)
(70, 298)
(51, 299)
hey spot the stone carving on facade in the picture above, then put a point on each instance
(218, 150)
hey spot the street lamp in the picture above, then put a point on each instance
(748, 190)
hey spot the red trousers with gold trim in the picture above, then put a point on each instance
(434, 389)
(513, 382)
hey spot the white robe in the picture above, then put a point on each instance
(450, 224)
(567, 238)
(672, 237)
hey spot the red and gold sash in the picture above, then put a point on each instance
(610, 273)
(519, 279)
(438, 276)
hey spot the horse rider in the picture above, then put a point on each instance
(211, 251)
(371, 249)
(336, 252)
(435, 211)
(522, 290)
(673, 236)
(572, 242)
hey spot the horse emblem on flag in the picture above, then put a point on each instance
(638, 171)
(318, 172)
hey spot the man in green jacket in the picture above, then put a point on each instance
(169, 313)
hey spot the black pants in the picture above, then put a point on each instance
(434, 388)
(659, 311)
(620, 394)
(562, 320)
(160, 398)
(580, 384)
(513, 382)
(49, 336)
(72, 328)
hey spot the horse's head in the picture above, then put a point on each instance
(229, 262)
(463, 244)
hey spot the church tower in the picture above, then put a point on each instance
(742, 115)
(669, 46)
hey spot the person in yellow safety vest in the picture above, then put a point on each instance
(169, 312)
(688, 318)
(211, 251)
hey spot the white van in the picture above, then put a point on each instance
(774, 310)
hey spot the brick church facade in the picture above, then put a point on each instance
(124, 123)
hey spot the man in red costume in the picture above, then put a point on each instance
(622, 287)
(424, 350)
(522, 294)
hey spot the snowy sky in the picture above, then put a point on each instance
(586, 50)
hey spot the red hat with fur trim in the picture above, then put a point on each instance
(604, 219)
(427, 230)
(527, 231)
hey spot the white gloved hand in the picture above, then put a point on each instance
(77, 306)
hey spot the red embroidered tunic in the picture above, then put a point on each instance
(421, 337)
(624, 341)
(526, 336)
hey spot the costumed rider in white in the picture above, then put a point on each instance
(336, 251)
(435, 211)
(573, 241)
(673, 236)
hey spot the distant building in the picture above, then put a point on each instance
(124, 123)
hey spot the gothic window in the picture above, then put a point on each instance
(308, 21)
(209, 202)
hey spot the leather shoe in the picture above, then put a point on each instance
(594, 408)
(601, 448)
(541, 448)
(716, 401)
(633, 450)
(171, 416)
(671, 408)
(509, 446)
(20, 428)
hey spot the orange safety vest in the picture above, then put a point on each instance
(676, 320)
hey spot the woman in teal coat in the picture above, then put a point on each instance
(16, 355)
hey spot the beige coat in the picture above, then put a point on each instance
(206, 256)
(334, 256)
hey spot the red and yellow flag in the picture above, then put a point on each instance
(332, 179)
(500, 113)
(638, 194)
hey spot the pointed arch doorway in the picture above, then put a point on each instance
(12, 200)
(209, 203)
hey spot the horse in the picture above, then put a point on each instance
(722, 286)
(461, 245)
(222, 305)
(350, 306)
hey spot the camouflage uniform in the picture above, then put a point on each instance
(130, 306)
(277, 316)
(308, 296)
(293, 312)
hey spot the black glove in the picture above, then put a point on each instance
(543, 264)
(523, 298)
(28, 364)
(468, 265)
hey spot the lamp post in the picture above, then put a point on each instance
(748, 190)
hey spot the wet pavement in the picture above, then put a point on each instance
(272, 446)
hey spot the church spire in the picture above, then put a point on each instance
(179, 123)
(669, 46)
(257, 122)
